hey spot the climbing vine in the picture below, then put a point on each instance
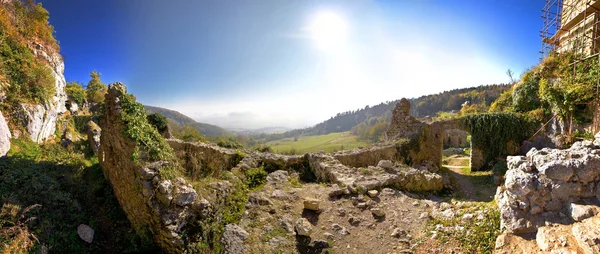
(495, 132)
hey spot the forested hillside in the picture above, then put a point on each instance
(428, 105)
(183, 120)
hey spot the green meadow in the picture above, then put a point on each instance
(329, 143)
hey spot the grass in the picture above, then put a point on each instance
(478, 236)
(329, 143)
(66, 187)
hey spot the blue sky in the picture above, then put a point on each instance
(261, 63)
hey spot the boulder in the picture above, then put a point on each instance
(5, 136)
(93, 133)
(303, 227)
(378, 212)
(185, 195)
(311, 204)
(372, 193)
(86, 233)
(233, 239)
(580, 212)
(386, 164)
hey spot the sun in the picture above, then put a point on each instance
(328, 30)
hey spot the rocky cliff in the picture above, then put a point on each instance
(33, 93)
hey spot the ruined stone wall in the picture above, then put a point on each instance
(455, 138)
(200, 159)
(403, 125)
(542, 185)
(151, 202)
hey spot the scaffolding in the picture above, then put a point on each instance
(573, 25)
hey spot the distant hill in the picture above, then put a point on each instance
(181, 119)
(428, 105)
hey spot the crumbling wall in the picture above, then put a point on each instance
(544, 183)
(151, 201)
(201, 159)
(403, 125)
(455, 138)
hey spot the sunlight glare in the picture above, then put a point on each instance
(328, 30)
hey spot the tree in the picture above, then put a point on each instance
(511, 74)
(95, 88)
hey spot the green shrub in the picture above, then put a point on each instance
(158, 121)
(75, 91)
(230, 142)
(256, 177)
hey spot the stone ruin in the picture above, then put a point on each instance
(544, 183)
(430, 136)
(555, 193)
(170, 208)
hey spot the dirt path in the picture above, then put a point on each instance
(467, 189)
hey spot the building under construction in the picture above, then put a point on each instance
(571, 25)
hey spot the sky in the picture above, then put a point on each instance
(266, 63)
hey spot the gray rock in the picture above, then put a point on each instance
(185, 195)
(94, 132)
(339, 229)
(5, 136)
(398, 233)
(280, 194)
(86, 233)
(328, 235)
(233, 239)
(303, 227)
(580, 212)
(386, 164)
(257, 199)
(372, 193)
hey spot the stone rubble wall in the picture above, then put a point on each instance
(152, 203)
(199, 158)
(170, 208)
(540, 186)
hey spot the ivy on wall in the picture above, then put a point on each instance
(493, 133)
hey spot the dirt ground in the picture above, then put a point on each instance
(346, 224)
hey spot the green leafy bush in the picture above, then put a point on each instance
(256, 177)
(229, 142)
(158, 121)
(76, 92)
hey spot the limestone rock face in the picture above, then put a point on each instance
(5, 136)
(546, 182)
(40, 119)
